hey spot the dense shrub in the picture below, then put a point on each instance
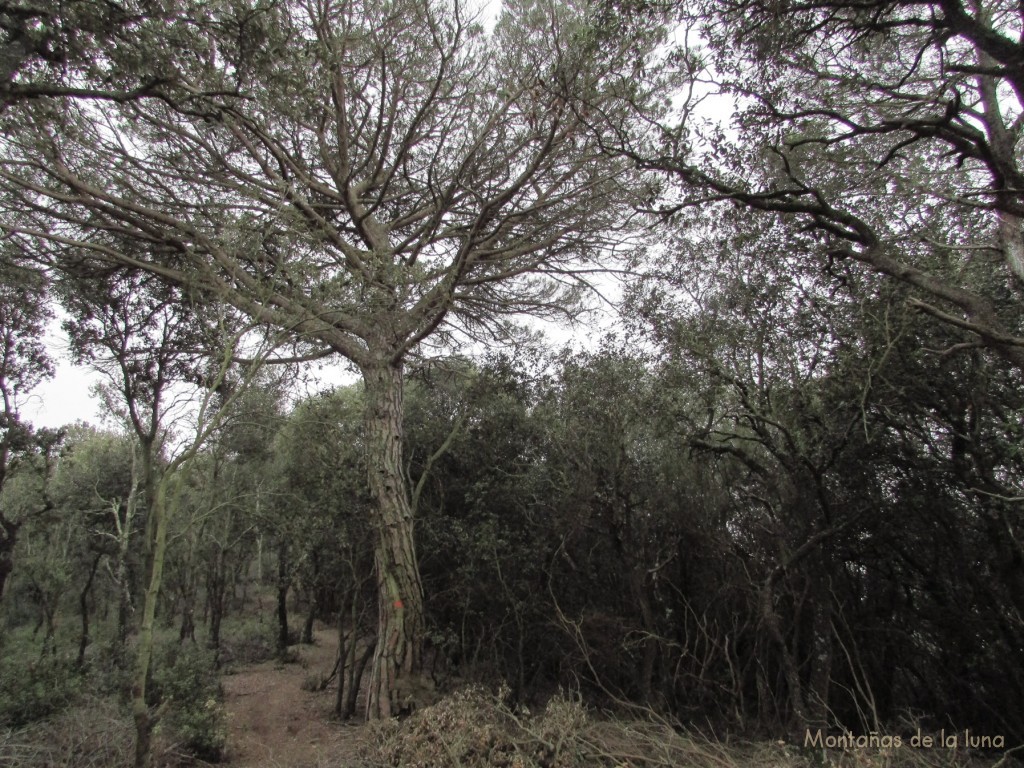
(189, 687)
(31, 691)
(248, 642)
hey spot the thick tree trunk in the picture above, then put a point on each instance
(399, 592)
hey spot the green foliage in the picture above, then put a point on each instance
(189, 686)
(34, 689)
(247, 641)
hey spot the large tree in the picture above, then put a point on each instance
(388, 174)
(890, 128)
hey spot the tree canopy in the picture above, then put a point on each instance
(783, 494)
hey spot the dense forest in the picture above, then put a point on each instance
(773, 488)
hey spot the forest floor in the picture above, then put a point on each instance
(274, 721)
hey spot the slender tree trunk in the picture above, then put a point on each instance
(49, 616)
(770, 617)
(399, 591)
(307, 627)
(216, 595)
(820, 678)
(216, 606)
(356, 676)
(8, 538)
(141, 493)
(83, 607)
(124, 606)
(140, 707)
(6, 566)
(343, 654)
(313, 594)
(189, 591)
(283, 584)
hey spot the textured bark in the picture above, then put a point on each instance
(399, 651)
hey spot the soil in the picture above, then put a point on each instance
(273, 722)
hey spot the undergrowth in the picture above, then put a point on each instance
(475, 729)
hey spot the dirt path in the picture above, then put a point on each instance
(274, 723)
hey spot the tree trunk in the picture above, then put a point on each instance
(6, 566)
(798, 710)
(399, 648)
(187, 592)
(216, 606)
(8, 538)
(141, 493)
(283, 584)
(820, 677)
(356, 676)
(312, 590)
(49, 617)
(83, 607)
(344, 651)
(307, 627)
(216, 595)
(140, 707)
(124, 607)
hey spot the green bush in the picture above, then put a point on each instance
(247, 642)
(30, 691)
(188, 685)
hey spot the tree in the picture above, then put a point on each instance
(148, 337)
(891, 130)
(238, 487)
(320, 469)
(94, 50)
(391, 176)
(23, 364)
(90, 487)
(863, 462)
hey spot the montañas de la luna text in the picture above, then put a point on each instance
(873, 739)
